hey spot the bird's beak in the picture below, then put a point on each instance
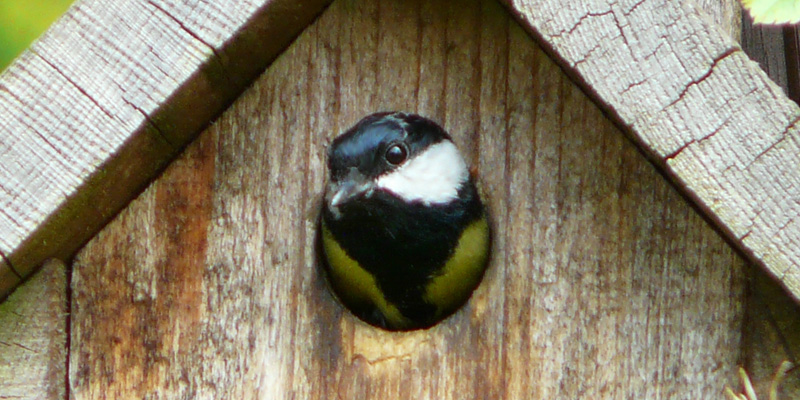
(354, 185)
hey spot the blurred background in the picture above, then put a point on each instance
(22, 21)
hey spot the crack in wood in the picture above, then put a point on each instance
(35, 130)
(634, 84)
(662, 41)
(150, 122)
(191, 33)
(622, 34)
(601, 42)
(783, 137)
(15, 344)
(74, 84)
(632, 9)
(580, 21)
(146, 116)
(8, 262)
(725, 54)
(787, 223)
(753, 220)
(20, 345)
(714, 131)
(589, 53)
(680, 149)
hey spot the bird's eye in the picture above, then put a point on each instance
(396, 154)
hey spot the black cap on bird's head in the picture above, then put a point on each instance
(365, 145)
(379, 153)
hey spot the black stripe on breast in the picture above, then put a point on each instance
(404, 244)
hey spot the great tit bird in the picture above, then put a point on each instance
(405, 237)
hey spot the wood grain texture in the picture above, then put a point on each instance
(603, 282)
(33, 337)
(776, 49)
(725, 14)
(771, 335)
(791, 37)
(100, 104)
(765, 45)
(772, 319)
(698, 106)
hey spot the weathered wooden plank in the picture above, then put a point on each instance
(765, 45)
(725, 14)
(603, 282)
(791, 36)
(772, 318)
(777, 50)
(33, 337)
(107, 97)
(698, 106)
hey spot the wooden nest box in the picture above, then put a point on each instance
(196, 278)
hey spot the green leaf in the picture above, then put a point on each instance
(773, 11)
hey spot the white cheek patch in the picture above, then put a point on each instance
(432, 177)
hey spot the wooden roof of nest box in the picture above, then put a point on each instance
(604, 282)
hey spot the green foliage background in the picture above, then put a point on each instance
(772, 12)
(22, 21)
